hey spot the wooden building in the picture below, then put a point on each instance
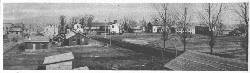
(73, 38)
(36, 43)
(202, 30)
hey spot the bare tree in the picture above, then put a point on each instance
(127, 24)
(212, 19)
(63, 23)
(143, 23)
(81, 21)
(221, 27)
(73, 21)
(89, 20)
(163, 15)
(183, 26)
(242, 12)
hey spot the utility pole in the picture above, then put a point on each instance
(110, 36)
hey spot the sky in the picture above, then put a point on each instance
(46, 13)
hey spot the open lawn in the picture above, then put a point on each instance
(227, 47)
(95, 56)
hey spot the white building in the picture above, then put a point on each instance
(157, 28)
(78, 28)
(137, 29)
(115, 27)
(190, 30)
(50, 31)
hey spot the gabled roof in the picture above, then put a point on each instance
(195, 61)
(70, 34)
(58, 58)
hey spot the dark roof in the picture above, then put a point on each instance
(195, 61)
(8, 23)
(99, 24)
(137, 27)
(37, 39)
(16, 29)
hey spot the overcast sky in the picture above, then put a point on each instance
(49, 12)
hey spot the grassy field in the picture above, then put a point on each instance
(227, 47)
(94, 55)
(97, 56)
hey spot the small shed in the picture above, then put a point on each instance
(75, 39)
(195, 61)
(36, 43)
(59, 62)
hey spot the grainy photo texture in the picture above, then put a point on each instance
(126, 36)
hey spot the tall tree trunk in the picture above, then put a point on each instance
(184, 44)
(245, 45)
(185, 29)
(211, 42)
(246, 29)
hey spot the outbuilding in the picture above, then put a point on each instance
(36, 43)
(73, 38)
(59, 62)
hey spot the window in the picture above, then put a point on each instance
(38, 46)
(113, 26)
(44, 45)
(29, 46)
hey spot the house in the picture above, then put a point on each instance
(74, 38)
(204, 30)
(98, 27)
(189, 30)
(115, 27)
(196, 61)
(14, 33)
(16, 30)
(226, 32)
(223, 32)
(34, 43)
(157, 28)
(137, 29)
(6, 27)
(50, 31)
(59, 62)
(78, 28)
